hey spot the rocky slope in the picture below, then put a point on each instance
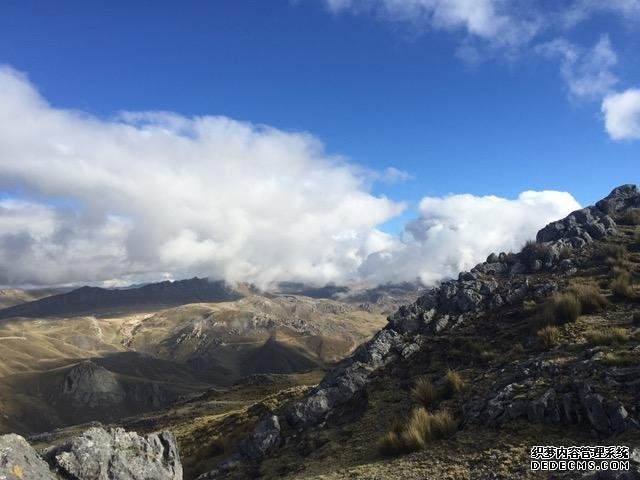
(487, 325)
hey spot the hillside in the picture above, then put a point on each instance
(152, 358)
(539, 347)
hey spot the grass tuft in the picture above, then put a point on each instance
(421, 428)
(453, 384)
(549, 336)
(621, 285)
(590, 298)
(560, 309)
(607, 336)
(423, 392)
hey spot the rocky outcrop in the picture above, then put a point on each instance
(100, 454)
(97, 454)
(19, 461)
(571, 403)
(90, 385)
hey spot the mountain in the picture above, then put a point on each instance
(539, 347)
(95, 299)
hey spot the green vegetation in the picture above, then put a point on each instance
(549, 336)
(607, 336)
(421, 428)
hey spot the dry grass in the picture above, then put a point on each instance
(619, 359)
(630, 217)
(613, 251)
(607, 336)
(421, 428)
(533, 250)
(423, 392)
(621, 285)
(560, 309)
(548, 336)
(453, 384)
(590, 298)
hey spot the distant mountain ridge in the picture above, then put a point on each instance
(90, 299)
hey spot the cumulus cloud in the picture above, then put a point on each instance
(152, 195)
(586, 71)
(155, 192)
(455, 233)
(622, 114)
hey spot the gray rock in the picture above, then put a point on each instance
(19, 461)
(100, 454)
(265, 436)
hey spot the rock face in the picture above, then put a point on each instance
(90, 385)
(102, 455)
(501, 280)
(97, 454)
(19, 461)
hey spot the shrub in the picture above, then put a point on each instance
(630, 217)
(561, 309)
(423, 392)
(621, 285)
(549, 336)
(453, 384)
(607, 336)
(636, 318)
(590, 298)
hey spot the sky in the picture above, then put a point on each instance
(357, 141)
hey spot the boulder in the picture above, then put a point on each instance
(100, 454)
(19, 461)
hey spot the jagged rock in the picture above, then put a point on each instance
(90, 385)
(265, 437)
(19, 461)
(100, 454)
(620, 198)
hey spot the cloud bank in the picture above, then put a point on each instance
(148, 195)
(455, 233)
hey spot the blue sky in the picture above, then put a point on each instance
(380, 88)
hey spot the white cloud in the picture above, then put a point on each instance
(455, 233)
(587, 72)
(153, 195)
(149, 193)
(622, 115)
(490, 20)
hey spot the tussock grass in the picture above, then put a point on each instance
(453, 384)
(636, 235)
(548, 336)
(613, 251)
(607, 336)
(630, 217)
(636, 318)
(423, 392)
(619, 359)
(621, 285)
(533, 250)
(590, 298)
(560, 309)
(421, 428)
